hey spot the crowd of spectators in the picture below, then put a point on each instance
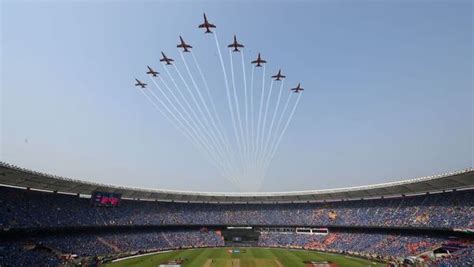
(25, 254)
(52, 250)
(462, 258)
(375, 243)
(21, 209)
(113, 243)
(26, 208)
(390, 247)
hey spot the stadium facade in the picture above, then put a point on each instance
(50, 220)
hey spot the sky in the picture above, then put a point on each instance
(388, 89)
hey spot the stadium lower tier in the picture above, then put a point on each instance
(21, 208)
(70, 249)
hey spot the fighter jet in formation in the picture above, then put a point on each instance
(278, 76)
(142, 85)
(235, 45)
(152, 72)
(207, 25)
(259, 61)
(297, 89)
(166, 59)
(184, 45)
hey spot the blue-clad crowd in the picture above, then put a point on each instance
(22, 208)
(53, 250)
(391, 247)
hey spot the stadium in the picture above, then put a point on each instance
(49, 220)
(236, 133)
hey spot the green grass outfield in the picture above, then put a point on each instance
(252, 257)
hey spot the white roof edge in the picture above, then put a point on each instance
(245, 194)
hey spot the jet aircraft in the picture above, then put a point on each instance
(166, 59)
(278, 76)
(207, 25)
(259, 61)
(235, 45)
(139, 83)
(184, 45)
(152, 72)
(297, 89)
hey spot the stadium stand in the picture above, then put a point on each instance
(22, 208)
(47, 228)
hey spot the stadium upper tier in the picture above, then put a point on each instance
(31, 209)
(15, 176)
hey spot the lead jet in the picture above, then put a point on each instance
(207, 25)
(297, 89)
(142, 85)
(259, 61)
(235, 45)
(184, 45)
(278, 76)
(152, 72)
(166, 59)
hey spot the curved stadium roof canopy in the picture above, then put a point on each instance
(15, 176)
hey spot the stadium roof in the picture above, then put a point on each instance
(15, 176)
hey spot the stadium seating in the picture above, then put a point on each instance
(105, 244)
(22, 208)
(25, 254)
(34, 210)
(387, 246)
(46, 251)
(380, 244)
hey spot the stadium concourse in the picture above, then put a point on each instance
(48, 220)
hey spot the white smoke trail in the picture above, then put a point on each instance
(208, 92)
(182, 128)
(207, 129)
(272, 122)
(277, 128)
(223, 140)
(252, 116)
(177, 111)
(260, 114)
(213, 106)
(228, 96)
(265, 120)
(192, 120)
(237, 106)
(196, 119)
(283, 132)
(246, 106)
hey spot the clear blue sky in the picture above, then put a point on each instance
(389, 88)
